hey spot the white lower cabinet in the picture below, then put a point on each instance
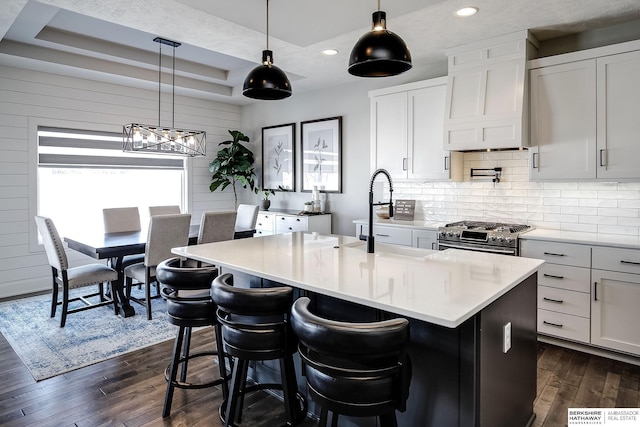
(563, 288)
(615, 317)
(425, 239)
(399, 235)
(280, 222)
(588, 293)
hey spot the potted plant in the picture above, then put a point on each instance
(233, 164)
(265, 203)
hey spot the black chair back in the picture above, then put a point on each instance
(357, 369)
(255, 321)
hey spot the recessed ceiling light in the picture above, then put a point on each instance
(467, 11)
(330, 52)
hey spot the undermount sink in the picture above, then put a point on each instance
(387, 249)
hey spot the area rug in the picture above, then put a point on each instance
(88, 337)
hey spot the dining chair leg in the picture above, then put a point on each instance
(147, 292)
(65, 306)
(54, 294)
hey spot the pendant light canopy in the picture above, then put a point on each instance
(380, 52)
(267, 81)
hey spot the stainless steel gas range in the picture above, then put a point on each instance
(481, 236)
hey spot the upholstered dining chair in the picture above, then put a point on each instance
(165, 232)
(121, 220)
(247, 217)
(217, 226)
(164, 210)
(65, 278)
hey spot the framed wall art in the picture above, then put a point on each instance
(322, 154)
(278, 157)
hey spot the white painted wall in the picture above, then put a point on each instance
(30, 98)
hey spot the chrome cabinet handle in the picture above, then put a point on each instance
(552, 276)
(446, 163)
(533, 160)
(557, 325)
(382, 235)
(629, 262)
(404, 163)
(595, 291)
(559, 301)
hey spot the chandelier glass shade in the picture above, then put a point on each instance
(159, 139)
(267, 81)
(380, 52)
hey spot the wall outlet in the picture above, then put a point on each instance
(506, 337)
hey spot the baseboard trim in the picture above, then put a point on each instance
(609, 354)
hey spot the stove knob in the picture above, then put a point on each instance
(508, 239)
(493, 237)
(450, 234)
(500, 238)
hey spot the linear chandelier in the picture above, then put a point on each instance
(159, 139)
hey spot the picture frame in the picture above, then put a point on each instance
(321, 155)
(278, 157)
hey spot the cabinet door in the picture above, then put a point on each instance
(618, 116)
(614, 310)
(389, 133)
(425, 239)
(563, 121)
(426, 158)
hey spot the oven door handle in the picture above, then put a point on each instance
(467, 248)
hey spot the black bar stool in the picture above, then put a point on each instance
(189, 304)
(354, 369)
(255, 326)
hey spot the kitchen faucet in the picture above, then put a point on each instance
(371, 205)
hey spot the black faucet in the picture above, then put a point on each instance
(371, 205)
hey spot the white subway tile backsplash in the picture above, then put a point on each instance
(605, 207)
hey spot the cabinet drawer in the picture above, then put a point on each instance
(557, 253)
(624, 260)
(562, 301)
(563, 325)
(265, 222)
(287, 224)
(259, 233)
(565, 277)
(393, 235)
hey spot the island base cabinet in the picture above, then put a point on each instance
(614, 311)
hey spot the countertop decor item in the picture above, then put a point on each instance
(158, 139)
(265, 203)
(379, 53)
(233, 164)
(267, 81)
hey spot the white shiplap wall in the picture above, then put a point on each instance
(599, 207)
(29, 99)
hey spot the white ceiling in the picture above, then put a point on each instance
(222, 40)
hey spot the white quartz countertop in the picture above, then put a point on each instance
(598, 239)
(445, 288)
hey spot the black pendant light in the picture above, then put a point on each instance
(267, 81)
(379, 53)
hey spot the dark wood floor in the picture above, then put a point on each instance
(128, 391)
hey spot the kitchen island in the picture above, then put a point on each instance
(463, 308)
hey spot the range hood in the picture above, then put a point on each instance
(487, 93)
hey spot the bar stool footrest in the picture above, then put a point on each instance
(184, 385)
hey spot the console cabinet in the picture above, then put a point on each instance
(286, 222)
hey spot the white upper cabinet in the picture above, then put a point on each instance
(486, 93)
(563, 121)
(584, 115)
(406, 131)
(619, 116)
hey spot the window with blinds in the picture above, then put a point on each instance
(81, 172)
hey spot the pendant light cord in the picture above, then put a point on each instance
(268, 25)
(173, 90)
(159, 78)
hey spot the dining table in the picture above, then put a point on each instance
(114, 247)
